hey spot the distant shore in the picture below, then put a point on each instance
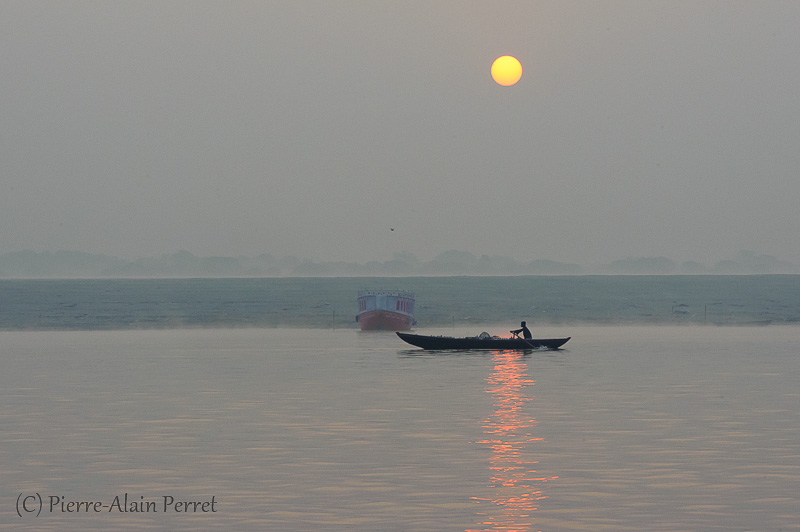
(183, 264)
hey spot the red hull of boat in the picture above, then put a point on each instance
(384, 320)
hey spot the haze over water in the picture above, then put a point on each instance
(630, 427)
(441, 301)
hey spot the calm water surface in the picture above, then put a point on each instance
(647, 428)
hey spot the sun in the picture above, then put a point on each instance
(506, 70)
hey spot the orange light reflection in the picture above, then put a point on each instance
(509, 431)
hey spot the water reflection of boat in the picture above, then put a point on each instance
(516, 483)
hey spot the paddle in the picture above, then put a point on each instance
(515, 334)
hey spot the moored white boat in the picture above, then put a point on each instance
(385, 310)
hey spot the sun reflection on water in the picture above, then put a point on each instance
(509, 431)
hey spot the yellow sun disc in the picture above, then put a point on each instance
(506, 70)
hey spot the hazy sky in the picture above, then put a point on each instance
(311, 128)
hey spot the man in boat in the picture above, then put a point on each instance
(524, 330)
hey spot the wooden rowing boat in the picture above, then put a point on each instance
(483, 341)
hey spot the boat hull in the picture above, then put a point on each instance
(385, 310)
(468, 343)
(384, 320)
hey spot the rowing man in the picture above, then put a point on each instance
(524, 330)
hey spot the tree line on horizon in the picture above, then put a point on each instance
(77, 264)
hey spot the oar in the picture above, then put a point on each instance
(523, 339)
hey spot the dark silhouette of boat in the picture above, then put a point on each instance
(482, 341)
